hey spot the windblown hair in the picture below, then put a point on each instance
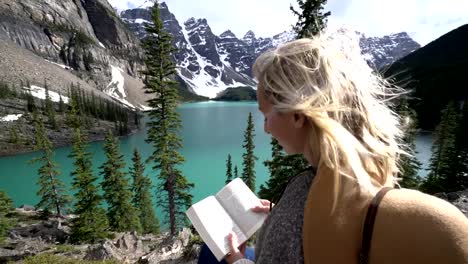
(346, 103)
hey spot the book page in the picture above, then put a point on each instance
(237, 199)
(213, 224)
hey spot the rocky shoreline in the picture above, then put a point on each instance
(33, 236)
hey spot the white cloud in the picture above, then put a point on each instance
(127, 4)
(424, 20)
(265, 17)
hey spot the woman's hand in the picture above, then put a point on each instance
(264, 208)
(237, 251)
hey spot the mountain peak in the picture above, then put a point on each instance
(228, 34)
(401, 35)
(284, 37)
(190, 21)
(249, 35)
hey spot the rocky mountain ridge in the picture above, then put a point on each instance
(88, 41)
(209, 63)
(383, 51)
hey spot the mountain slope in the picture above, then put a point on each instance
(436, 73)
(86, 38)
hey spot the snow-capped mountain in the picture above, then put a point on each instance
(209, 64)
(383, 51)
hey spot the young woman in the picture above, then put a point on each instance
(321, 99)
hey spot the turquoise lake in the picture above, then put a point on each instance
(211, 131)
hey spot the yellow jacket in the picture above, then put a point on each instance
(410, 227)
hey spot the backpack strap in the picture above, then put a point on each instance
(369, 225)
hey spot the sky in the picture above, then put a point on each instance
(423, 20)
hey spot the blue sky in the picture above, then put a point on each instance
(424, 20)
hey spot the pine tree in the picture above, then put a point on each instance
(282, 167)
(6, 206)
(442, 175)
(174, 189)
(121, 214)
(228, 169)
(311, 17)
(74, 116)
(462, 148)
(31, 104)
(61, 105)
(94, 105)
(51, 191)
(249, 158)
(90, 224)
(125, 127)
(142, 197)
(14, 138)
(236, 173)
(49, 108)
(14, 91)
(409, 165)
(136, 118)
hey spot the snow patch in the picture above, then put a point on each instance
(116, 87)
(40, 93)
(145, 108)
(102, 45)
(10, 118)
(204, 84)
(125, 102)
(141, 21)
(283, 37)
(223, 58)
(61, 65)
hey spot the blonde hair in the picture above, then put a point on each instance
(327, 79)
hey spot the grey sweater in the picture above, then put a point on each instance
(280, 238)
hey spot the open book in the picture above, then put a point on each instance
(229, 210)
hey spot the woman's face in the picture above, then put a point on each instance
(289, 129)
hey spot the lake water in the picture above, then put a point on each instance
(211, 131)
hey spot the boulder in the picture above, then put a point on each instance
(462, 201)
(459, 199)
(127, 247)
(27, 207)
(170, 250)
(19, 249)
(50, 232)
(453, 196)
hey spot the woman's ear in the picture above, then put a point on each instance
(299, 120)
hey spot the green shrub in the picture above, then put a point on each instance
(52, 259)
(190, 251)
(6, 206)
